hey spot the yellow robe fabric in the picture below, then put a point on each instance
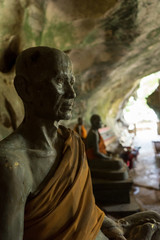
(82, 131)
(65, 208)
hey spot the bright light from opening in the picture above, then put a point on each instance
(138, 110)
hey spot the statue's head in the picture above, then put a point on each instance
(96, 121)
(80, 121)
(44, 80)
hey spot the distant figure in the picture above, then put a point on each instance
(95, 147)
(80, 129)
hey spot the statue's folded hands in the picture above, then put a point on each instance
(141, 226)
(112, 230)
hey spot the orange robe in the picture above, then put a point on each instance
(82, 133)
(65, 208)
(102, 148)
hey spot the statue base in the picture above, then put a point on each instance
(112, 192)
(121, 210)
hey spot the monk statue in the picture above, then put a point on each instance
(107, 172)
(45, 184)
(96, 150)
(80, 129)
(95, 147)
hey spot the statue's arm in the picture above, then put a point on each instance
(12, 201)
(112, 230)
(95, 142)
(142, 225)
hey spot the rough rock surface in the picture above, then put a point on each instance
(113, 43)
(11, 109)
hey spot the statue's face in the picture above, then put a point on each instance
(97, 123)
(53, 97)
(80, 121)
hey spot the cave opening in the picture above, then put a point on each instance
(137, 113)
(143, 124)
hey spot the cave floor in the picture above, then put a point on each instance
(146, 171)
(145, 194)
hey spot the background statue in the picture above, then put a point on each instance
(95, 147)
(80, 129)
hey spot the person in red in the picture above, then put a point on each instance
(95, 147)
(80, 129)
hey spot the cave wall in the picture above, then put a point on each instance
(11, 108)
(112, 43)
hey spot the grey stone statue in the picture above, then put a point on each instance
(109, 174)
(45, 184)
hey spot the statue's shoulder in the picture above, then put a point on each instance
(67, 132)
(13, 166)
(11, 148)
(70, 133)
(11, 141)
(92, 133)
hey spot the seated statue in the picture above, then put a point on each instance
(45, 184)
(96, 149)
(107, 172)
(80, 129)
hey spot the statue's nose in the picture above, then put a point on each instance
(70, 92)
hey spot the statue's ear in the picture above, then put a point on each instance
(23, 88)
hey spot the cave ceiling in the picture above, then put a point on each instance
(112, 43)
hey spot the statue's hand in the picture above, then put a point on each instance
(146, 231)
(143, 225)
(111, 229)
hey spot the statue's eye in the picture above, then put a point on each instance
(60, 80)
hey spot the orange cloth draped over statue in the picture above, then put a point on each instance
(80, 129)
(65, 208)
(101, 146)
